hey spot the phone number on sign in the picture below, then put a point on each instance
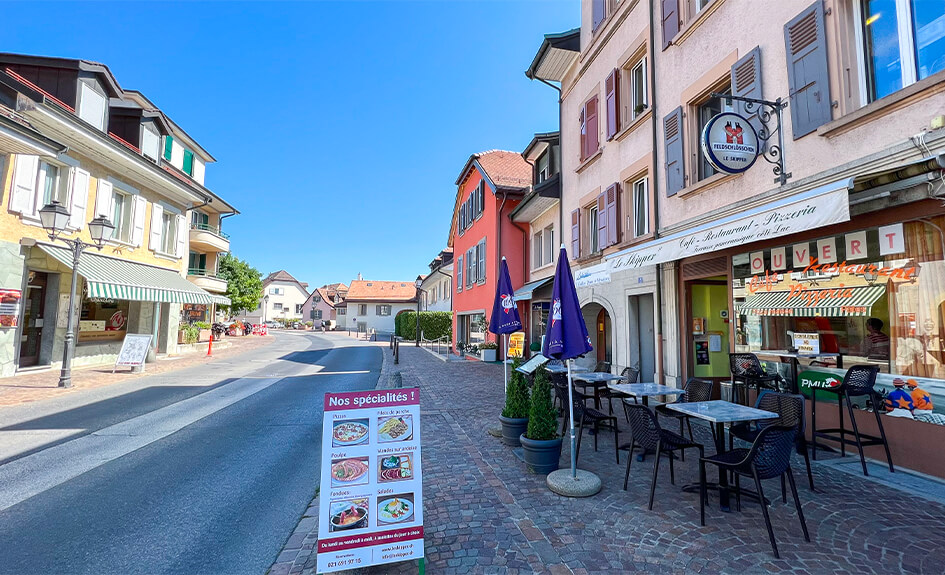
(344, 562)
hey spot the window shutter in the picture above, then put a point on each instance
(104, 199)
(188, 162)
(670, 21)
(746, 82)
(181, 236)
(601, 221)
(462, 217)
(600, 10)
(79, 190)
(481, 275)
(25, 173)
(482, 196)
(583, 123)
(157, 217)
(459, 274)
(168, 147)
(612, 89)
(137, 220)
(672, 135)
(576, 234)
(808, 80)
(613, 214)
(378, 310)
(593, 134)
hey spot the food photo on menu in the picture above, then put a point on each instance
(395, 509)
(397, 467)
(397, 428)
(347, 432)
(349, 471)
(348, 514)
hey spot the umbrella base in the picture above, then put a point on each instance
(584, 485)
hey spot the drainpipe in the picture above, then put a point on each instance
(656, 203)
(561, 144)
(498, 257)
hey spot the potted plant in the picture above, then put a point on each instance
(204, 334)
(639, 108)
(514, 416)
(489, 350)
(540, 442)
(461, 348)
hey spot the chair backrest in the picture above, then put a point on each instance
(745, 365)
(770, 454)
(602, 367)
(698, 390)
(789, 407)
(644, 427)
(630, 375)
(860, 380)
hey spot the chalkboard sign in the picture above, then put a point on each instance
(134, 350)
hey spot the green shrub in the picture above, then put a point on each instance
(433, 324)
(542, 421)
(201, 325)
(489, 345)
(191, 333)
(516, 395)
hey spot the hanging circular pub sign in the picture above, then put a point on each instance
(730, 143)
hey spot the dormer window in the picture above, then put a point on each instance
(92, 105)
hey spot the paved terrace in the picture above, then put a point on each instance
(485, 514)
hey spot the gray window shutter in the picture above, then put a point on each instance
(482, 196)
(670, 21)
(576, 234)
(673, 140)
(612, 200)
(600, 9)
(746, 82)
(808, 79)
(481, 249)
(601, 221)
(459, 274)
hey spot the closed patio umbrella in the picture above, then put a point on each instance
(505, 319)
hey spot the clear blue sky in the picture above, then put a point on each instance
(338, 127)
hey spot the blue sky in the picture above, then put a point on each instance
(338, 127)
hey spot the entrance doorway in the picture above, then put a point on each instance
(707, 328)
(600, 330)
(642, 337)
(34, 308)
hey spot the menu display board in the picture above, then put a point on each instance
(10, 307)
(517, 344)
(370, 503)
(134, 350)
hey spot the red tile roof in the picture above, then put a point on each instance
(369, 290)
(506, 169)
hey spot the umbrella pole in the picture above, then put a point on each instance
(571, 422)
(505, 362)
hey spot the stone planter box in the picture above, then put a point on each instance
(488, 354)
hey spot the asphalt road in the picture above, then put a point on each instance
(206, 479)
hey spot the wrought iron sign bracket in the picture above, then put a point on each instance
(771, 150)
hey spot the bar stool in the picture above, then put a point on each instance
(859, 380)
(746, 372)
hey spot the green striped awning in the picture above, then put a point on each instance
(113, 278)
(219, 299)
(830, 302)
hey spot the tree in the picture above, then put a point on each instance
(243, 283)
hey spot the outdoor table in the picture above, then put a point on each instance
(720, 413)
(597, 380)
(554, 368)
(645, 390)
(794, 358)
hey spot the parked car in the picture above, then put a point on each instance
(298, 325)
(273, 324)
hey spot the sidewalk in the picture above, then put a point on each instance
(44, 384)
(485, 514)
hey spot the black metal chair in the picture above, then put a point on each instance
(768, 457)
(860, 380)
(628, 375)
(602, 367)
(746, 372)
(646, 433)
(790, 409)
(584, 416)
(696, 390)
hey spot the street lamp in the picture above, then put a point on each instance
(265, 306)
(55, 218)
(418, 283)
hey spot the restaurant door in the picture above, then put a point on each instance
(34, 305)
(707, 310)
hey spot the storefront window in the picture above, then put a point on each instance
(874, 296)
(103, 319)
(192, 312)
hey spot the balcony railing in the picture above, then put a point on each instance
(215, 230)
(202, 272)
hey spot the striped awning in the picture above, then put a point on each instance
(831, 302)
(219, 299)
(113, 278)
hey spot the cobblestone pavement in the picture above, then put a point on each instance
(484, 513)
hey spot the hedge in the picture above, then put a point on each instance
(433, 324)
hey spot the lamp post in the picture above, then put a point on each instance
(265, 306)
(418, 283)
(54, 218)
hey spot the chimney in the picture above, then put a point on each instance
(359, 276)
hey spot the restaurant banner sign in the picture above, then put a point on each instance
(823, 206)
(592, 275)
(370, 503)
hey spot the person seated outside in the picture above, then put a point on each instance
(898, 401)
(921, 400)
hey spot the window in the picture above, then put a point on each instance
(316, 314)
(277, 291)
(342, 310)
(277, 306)
(592, 226)
(383, 310)
(298, 308)
(316, 299)
(50, 185)
(199, 220)
(548, 249)
(696, 6)
(459, 274)
(197, 264)
(543, 167)
(902, 41)
(470, 267)
(122, 205)
(705, 111)
(589, 129)
(637, 89)
(362, 309)
(92, 105)
(481, 253)
(168, 233)
(150, 142)
(640, 218)
(536, 250)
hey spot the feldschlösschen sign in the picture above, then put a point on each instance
(730, 143)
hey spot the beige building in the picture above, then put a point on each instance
(284, 299)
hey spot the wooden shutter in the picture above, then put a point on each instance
(673, 141)
(481, 275)
(612, 89)
(601, 221)
(188, 162)
(808, 79)
(613, 214)
(593, 133)
(79, 190)
(582, 121)
(182, 234)
(462, 217)
(576, 234)
(746, 82)
(670, 21)
(137, 220)
(168, 147)
(104, 199)
(23, 194)
(157, 220)
(482, 196)
(459, 274)
(600, 11)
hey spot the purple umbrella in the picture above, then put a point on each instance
(505, 319)
(567, 335)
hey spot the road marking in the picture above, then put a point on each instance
(34, 474)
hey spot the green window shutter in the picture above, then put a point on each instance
(188, 162)
(168, 145)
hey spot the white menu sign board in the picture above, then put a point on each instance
(370, 503)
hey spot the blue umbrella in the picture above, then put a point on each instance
(567, 335)
(505, 319)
